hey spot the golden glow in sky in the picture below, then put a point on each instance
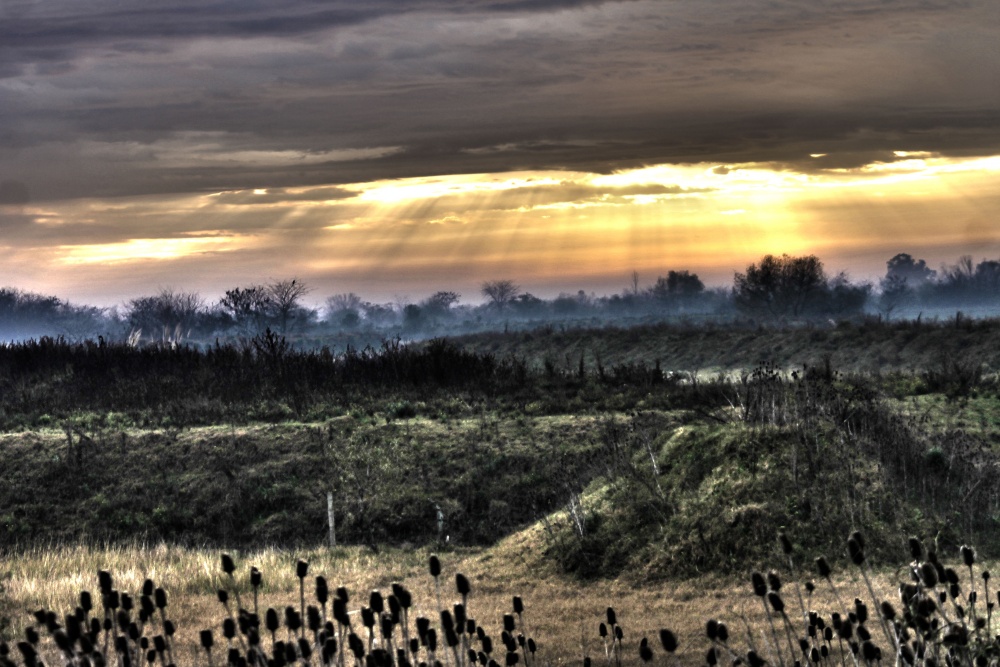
(551, 231)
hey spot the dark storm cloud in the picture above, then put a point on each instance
(121, 98)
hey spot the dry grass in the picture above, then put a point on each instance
(562, 614)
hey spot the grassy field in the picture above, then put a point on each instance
(562, 614)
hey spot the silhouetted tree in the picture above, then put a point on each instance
(440, 303)
(168, 315)
(248, 307)
(844, 298)
(500, 292)
(285, 295)
(344, 310)
(779, 286)
(895, 293)
(914, 271)
(527, 304)
(677, 288)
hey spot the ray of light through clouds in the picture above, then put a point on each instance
(400, 147)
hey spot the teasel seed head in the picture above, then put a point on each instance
(206, 640)
(860, 610)
(104, 581)
(432, 640)
(668, 640)
(423, 626)
(929, 575)
(786, 544)
(755, 660)
(376, 602)
(859, 538)
(712, 629)
(619, 633)
(759, 584)
(342, 594)
(367, 617)
(160, 598)
(292, 619)
(776, 602)
(255, 577)
(228, 566)
(434, 563)
(810, 588)
(612, 616)
(322, 590)
(271, 621)
(773, 581)
(723, 632)
(968, 555)
(223, 596)
(301, 569)
(856, 551)
(602, 630)
(645, 653)
(313, 620)
(888, 611)
(462, 584)
(985, 575)
(916, 549)
(508, 623)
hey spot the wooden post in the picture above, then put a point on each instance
(330, 519)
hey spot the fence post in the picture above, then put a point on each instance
(331, 521)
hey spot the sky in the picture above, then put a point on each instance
(394, 148)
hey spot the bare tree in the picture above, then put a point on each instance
(341, 302)
(285, 295)
(169, 315)
(500, 292)
(248, 306)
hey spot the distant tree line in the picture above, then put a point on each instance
(777, 289)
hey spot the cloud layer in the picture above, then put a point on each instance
(424, 142)
(123, 98)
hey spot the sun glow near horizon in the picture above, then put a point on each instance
(547, 229)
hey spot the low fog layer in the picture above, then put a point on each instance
(773, 291)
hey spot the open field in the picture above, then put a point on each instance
(562, 613)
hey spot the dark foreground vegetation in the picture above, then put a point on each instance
(938, 617)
